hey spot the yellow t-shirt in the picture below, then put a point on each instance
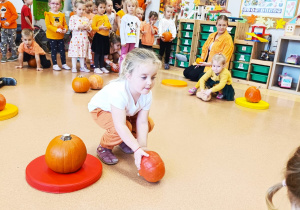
(224, 77)
(120, 13)
(53, 22)
(99, 20)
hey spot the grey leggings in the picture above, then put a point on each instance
(8, 37)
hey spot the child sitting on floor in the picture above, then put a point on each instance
(217, 79)
(122, 107)
(291, 181)
(29, 49)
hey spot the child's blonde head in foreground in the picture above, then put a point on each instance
(127, 2)
(137, 57)
(292, 182)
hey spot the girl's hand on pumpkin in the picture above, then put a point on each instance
(115, 66)
(18, 67)
(64, 31)
(138, 157)
(171, 39)
(59, 30)
(39, 69)
(6, 24)
(207, 92)
(163, 39)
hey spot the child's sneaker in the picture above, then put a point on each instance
(92, 66)
(104, 70)
(84, 69)
(3, 59)
(193, 90)
(98, 71)
(66, 67)
(220, 96)
(74, 70)
(167, 66)
(56, 68)
(12, 58)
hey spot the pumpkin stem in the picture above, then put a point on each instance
(66, 137)
(80, 76)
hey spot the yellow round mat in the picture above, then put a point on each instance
(174, 83)
(260, 105)
(9, 111)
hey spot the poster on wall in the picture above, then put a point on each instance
(265, 8)
(290, 8)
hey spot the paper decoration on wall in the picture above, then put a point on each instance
(218, 7)
(280, 23)
(269, 23)
(260, 20)
(251, 19)
(197, 3)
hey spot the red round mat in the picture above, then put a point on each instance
(41, 177)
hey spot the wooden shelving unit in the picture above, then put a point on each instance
(287, 45)
(257, 47)
(240, 33)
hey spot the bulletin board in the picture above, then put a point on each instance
(40, 7)
(272, 12)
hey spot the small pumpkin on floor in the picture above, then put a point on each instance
(152, 167)
(203, 96)
(2, 102)
(65, 153)
(199, 60)
(32, 63)
(96, 82)
(81, 84)
(252, 95)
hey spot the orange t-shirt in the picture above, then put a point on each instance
(148, 37)
(8, 14)
(32, 50)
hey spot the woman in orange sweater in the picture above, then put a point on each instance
(219, 42)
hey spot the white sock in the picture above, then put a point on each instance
(74, 62)
(81, 60)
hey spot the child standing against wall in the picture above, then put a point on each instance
(130, 29)
(110, 14)
(122, 107)
(56, 28)
(166, 24)
(8, 23)
(100, 45)
(79, 45)
(26, 16)
(148, 30)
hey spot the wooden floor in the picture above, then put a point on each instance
(218, 155)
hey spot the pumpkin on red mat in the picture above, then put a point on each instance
(32, 63)
(80, 84)
(152, 167)
(167, 36)
(2, 102)
(252, 95)
(96, 82)
(65, 153)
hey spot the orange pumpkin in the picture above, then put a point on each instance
(199, 60)
(167, 36)
(152, 167)
(96, 82)
(252, 94)
(65, 153)
(2, 102)
(80, 84)
(115, 69)
(32, 63)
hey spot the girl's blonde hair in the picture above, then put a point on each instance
(78, 2)
(220, 58)
(126, 2)
(168, 6)
(292, 182)
(135, 58)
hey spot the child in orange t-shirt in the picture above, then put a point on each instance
(29, 49)
(8, 23)
(148, 30)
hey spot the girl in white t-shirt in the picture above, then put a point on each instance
(122, 107)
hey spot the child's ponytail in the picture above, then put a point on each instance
(270, 193)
